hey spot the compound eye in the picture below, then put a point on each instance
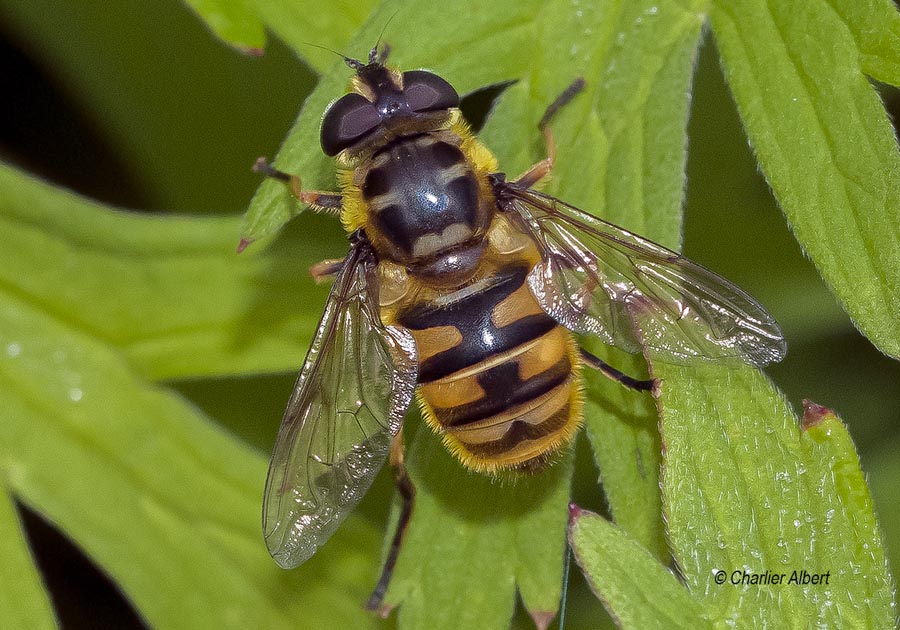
(346, 122)
(426, 92)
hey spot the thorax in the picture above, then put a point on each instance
(428, 208)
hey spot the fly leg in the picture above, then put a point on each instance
(325, 269)
(613, 374)
(325, 202)
(540, 170)
(407, 494)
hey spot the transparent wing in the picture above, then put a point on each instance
(599, 279)
(349, 400)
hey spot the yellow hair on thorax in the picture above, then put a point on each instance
(479, 156)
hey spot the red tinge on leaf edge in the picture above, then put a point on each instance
(243, 244)
(813, 413)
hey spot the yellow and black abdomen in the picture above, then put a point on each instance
(497, 376)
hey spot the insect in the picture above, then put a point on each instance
(465, 289)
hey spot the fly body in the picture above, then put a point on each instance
(464, 289)
(497, 376)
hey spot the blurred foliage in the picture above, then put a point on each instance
(174, 118)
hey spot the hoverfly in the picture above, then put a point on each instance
(465, 289)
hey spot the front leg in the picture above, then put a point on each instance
(326, 202)
(325, 269)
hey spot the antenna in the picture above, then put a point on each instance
(373, 54)
(355, 64)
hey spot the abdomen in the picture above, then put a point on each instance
(497, 376)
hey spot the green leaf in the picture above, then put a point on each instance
(622, 427)
(166, 503)
(473, 540)
(304, 25)
(875, 26)
(745, 491)
(134, 282)
(158, 496)
(23, 602)
(234, 21)
(822, 138)
(638, 591)
(849, 519)
(633, 139)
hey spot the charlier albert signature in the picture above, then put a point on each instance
(801, 577)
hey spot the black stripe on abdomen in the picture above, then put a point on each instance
(471, 314)
(483, 342)
(503, 390)
(519, 431)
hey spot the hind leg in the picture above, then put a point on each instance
(613, 374)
